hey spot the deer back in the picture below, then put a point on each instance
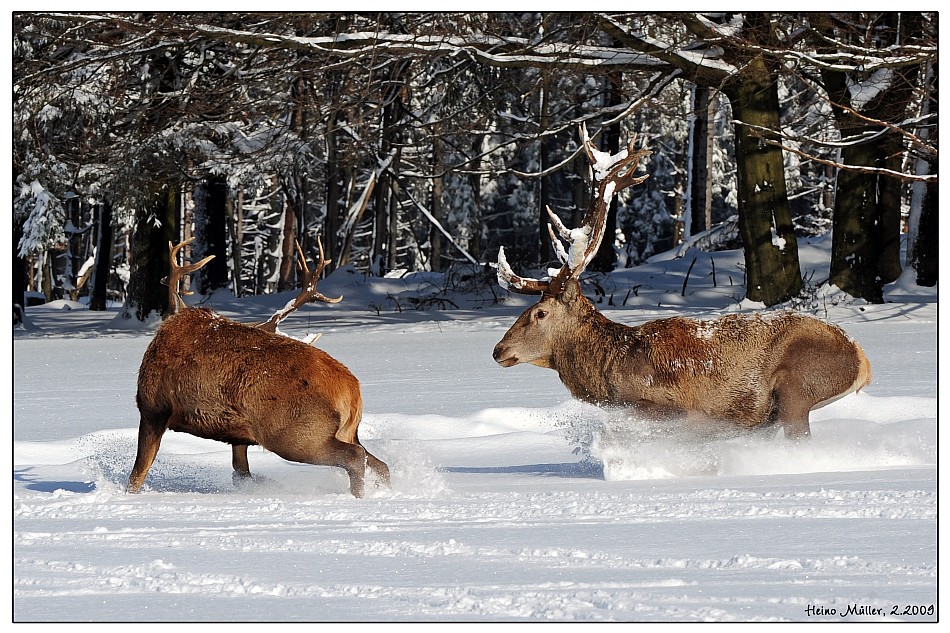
(213, 372)
(733, 367)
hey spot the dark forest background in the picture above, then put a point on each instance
(424, 141)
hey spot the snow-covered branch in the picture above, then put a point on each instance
(766, 135)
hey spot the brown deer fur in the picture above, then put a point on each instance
(747, 371)
(215, 378)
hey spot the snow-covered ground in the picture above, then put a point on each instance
(507, 502)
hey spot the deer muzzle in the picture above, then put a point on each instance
(503, 357)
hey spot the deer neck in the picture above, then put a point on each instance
(587, 354)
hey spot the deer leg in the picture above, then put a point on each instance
(239, 460)
(239, 463)
(350, 457)
(797, 429)
(377, 465)
(151, 429)
(791, 413)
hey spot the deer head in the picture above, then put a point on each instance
(532, 336)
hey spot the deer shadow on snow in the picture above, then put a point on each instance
(34, 482)
(209, 473)
(585, 469)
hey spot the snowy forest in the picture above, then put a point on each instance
(424, 141)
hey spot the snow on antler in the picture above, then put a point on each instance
(601, 162)
(508, 280)
(610, 174)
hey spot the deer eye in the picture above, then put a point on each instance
(541, 314)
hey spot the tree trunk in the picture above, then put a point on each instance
(925, 250)
(335, 178)
(286, 279)
(854, 244)
(606, 257)
(272, 251)
(297, 192)
(19, 273)
(387, 211)
(891, 193)
(865, 252)
(765, 218)
(699, 185)
(74, 253)
(922, 250)
(234, 212)
(867, 224)
(211, 235)
(475, 180)
(867, 215)
(438, 209)
(98, 298)
(46, 281)
(392, 246)
(383, 203)
(545, 151)
(154, 229)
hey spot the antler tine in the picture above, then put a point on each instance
(323, 260)
(187, 268)
(508, 280)
(173, 249)
(586, 143)
(301, 259)
(623, 172)
(176, 272)
(307, 293)
(314, 276)
(610, 173)
(620, 174)
(562, 230)
(558, 247)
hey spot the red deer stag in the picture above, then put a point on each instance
(738, 372)
(215, 378)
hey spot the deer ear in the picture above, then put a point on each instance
(572, 290)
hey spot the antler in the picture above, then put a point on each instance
(611, 173)
(307, 294)
(177, 272)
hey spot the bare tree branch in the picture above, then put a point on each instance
(766, 134)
